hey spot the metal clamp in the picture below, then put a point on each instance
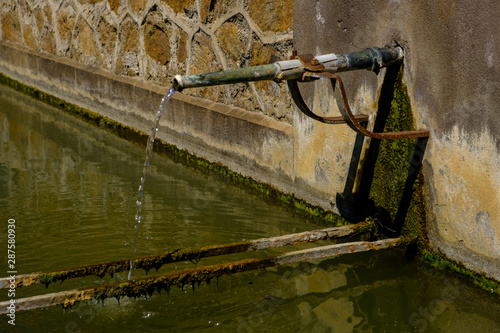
(310, 63)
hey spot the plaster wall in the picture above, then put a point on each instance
(452, 72)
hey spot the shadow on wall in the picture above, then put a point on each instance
(387, 180)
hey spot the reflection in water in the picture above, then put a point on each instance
(72, 190)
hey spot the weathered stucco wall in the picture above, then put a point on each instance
(452, 71)
(157, 39)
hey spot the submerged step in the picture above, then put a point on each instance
(147, 285)
(156, 261)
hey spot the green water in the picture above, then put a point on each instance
(72, 188)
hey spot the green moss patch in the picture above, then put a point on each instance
(393, 162)
(442, 263)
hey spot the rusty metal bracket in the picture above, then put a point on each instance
(301, 104)
(310, 63)
(353, 121)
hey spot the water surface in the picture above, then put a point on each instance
(72, 189)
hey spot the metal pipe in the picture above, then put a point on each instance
(372, 59)
(247, 74)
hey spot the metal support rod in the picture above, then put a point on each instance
(147, 285)
(372, 59)
(194, 254)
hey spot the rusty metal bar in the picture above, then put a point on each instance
(148, 285)
(301, 104)
(355, 122)
(194, 254)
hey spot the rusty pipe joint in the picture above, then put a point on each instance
(371, 59)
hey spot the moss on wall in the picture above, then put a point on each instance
(392, 165)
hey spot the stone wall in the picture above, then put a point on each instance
(157, 39)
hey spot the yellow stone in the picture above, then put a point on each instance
(179, 5)
(29, 37)
(11, 27)
(157, 44)
(230, 42)
(272, 15)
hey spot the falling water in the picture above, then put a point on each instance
(149, 151)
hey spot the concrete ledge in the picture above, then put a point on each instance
(249, 143)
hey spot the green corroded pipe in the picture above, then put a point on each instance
(245, 74)
(372, 59)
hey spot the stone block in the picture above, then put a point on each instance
(127, 61)
(182, 48)
(179, 6)
(11, 28)
(85, 44)
(233, 40)
(211, 10)
(129, 36)
(114, 5)
(204, 60)
(66, 18)
(156, 43)
(40, 19)
(272, 15)
(29, 37)
(138, 5)
(47, 43)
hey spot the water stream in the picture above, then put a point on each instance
(71, 188)
(140, 191)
